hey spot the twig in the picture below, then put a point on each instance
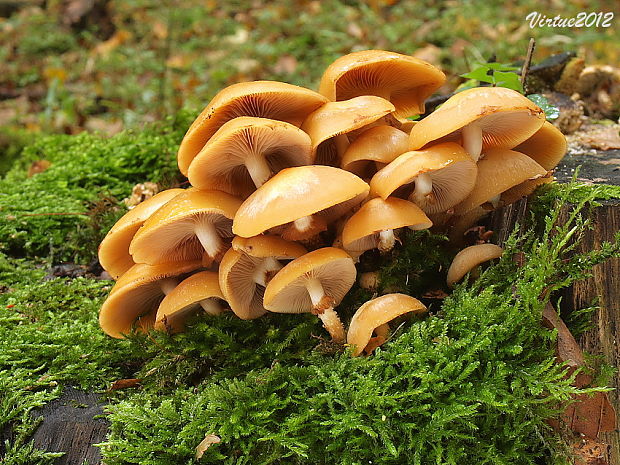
(526, 65)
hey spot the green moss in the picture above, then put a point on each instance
(59, 212)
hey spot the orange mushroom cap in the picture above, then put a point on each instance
(547, 146)
(469, 258)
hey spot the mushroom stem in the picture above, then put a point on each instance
(387, 239)
(167, 285)
(423, 187)
(265, 270)
(211, 306)
(381, 334)
(304, 223)
(324, 309)
(208, 236)
(259, 170)
(304, 228)
(495, 200)
(472, 140)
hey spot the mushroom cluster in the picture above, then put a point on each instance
(289, 187)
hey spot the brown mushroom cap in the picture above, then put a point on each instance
(546, 147)
(296, 193)
(378, 312)
(338, 118)
(248, 266)
(199, 290)
(245, 152)
(482, 118)
(379, 144)
(137, 294)
(443, 175)
(314, 282)
(403, 80)
(498, 171)
(372, 226)
(469, 258)
(192, 223)
(114, 253)
(264, 99)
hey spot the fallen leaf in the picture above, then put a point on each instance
(104, 48)
(207, 442)
(589, 452)
(38, 166)
(125, 383)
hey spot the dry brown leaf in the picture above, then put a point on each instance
(160, 29)
(38, 166)
(207, 442)
(602, 138)
(589, 452)
(125, 384)
(104, 48)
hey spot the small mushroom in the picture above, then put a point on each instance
(298, 203)
(403, 80)
(481, 118)
(374, 316)
(469, 258)
(547, 146)
(315, 282)
(442, 176)
(373, 149)
(263, 99)
(114, 253)
(328, 125)
(245, 152)
(248, 267)
(374, 224)
(137, 294)
(200, 290)
(498, 171)
(191, 224)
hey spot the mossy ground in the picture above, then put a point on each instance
(471, 383)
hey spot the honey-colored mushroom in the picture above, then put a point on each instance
(469, 258)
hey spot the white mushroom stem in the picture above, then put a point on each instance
(208, 236)
(211, 306)
(324, 309)
(387, 239)
(259, 170)
(265, 270)
(303, 224)
(495, 200)
(423, 187)
(167, 285)
(472, 140)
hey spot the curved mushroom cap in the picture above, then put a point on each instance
(338, 118)
(361, 232)
(498, 171)
(377, 312)
(379, 144)
(248, 260)
(505, 117)
(185, 299)
(187, 226)
(287, 292)
(245, 152)
(114, 253)
(298, 192)
(546, 147)
(403, 80)
(137, 294)
(469, 258)
(450, 169)
(264, 99)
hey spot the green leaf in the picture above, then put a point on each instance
(479, 74)
(509, 80)
(551, 111)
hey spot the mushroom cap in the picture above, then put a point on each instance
(137, 294)
(498, 171)
(361, 231)
(338, 118)
(404, 80)
(287, 293)
(547, 146)
(297, 192)
(168, 235)
(452, 170)
(114, 253)
(185, 298)
(221, 164)
(265, 99)
(506, 118)
(377, 312)
(470, 257)
(268, 246)
(381, 144)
